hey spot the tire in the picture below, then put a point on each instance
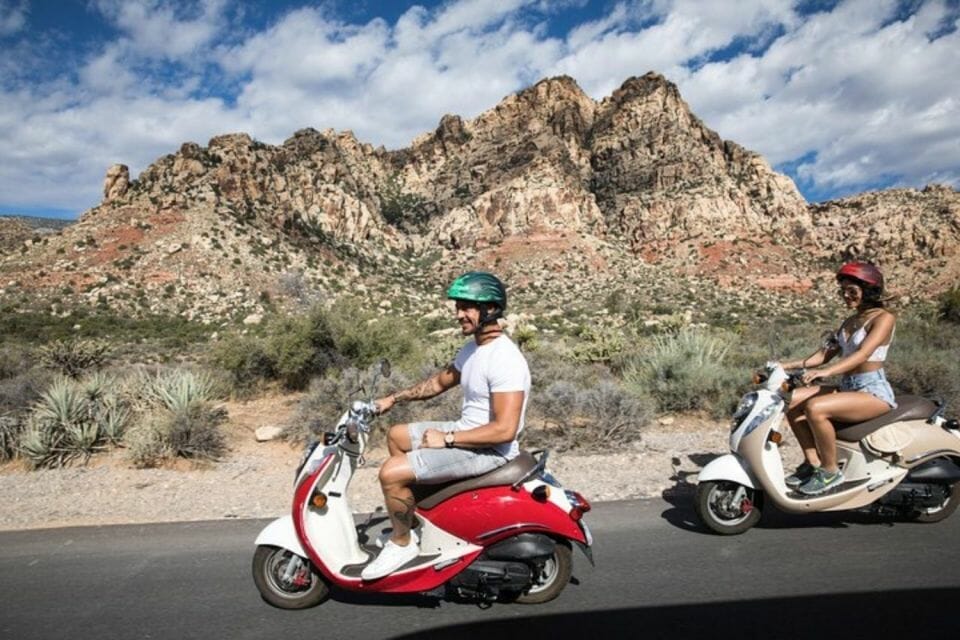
(942, 511)
(306, 589)
(716, 511)
(553, 577)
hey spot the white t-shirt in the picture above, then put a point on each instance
(496, 366)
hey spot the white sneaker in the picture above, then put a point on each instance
(392, 558)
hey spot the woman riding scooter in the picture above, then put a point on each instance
(864, 393)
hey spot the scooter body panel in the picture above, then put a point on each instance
(281, 533)
(489, 514)
(729, 467)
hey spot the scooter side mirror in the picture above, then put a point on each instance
(385, 369)
(828, 340)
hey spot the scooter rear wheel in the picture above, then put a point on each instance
(286, 580)
(553, 578)
(941, 511)
(726, 507)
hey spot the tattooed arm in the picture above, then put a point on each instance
(445, 379)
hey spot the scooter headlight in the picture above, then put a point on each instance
(743, 409)
(761, 417)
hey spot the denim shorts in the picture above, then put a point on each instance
(873, 382)
(433, 466)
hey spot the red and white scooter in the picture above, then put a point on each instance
(505, 535)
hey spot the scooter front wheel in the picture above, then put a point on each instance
(727, 508)
(286, 580)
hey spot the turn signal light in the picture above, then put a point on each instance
(775, 437)
(576, 513)
(319, 500)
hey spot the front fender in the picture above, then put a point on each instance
(729, 467)
(281, 533)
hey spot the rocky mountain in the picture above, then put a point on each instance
(579, 204)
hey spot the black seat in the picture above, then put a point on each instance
(908, 408)
(430, 495)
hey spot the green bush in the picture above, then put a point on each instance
(949, 305)
(295, 349)
(684, 371)
(74, 419)
(300, 347)
(74, 357)
(245, 360)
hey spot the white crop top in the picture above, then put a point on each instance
(849, 346)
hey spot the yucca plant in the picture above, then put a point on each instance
(73, 419)
(176, 390)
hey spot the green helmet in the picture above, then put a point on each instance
(479, 286)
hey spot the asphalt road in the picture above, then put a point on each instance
(657, 575)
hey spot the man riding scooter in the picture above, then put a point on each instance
(496, 384)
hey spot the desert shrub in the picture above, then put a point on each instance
(19, 392)
(329, 396)
(192, 432)
(13, 361)
(74, 419)
(74, 358)
(948, 305)
(590, 418)
(10, 430)
(599, 344)
(925, 359)
(684, 371)
(177, 419)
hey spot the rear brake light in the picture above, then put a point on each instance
(577, 500)
(575, 514)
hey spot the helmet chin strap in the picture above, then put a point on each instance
(486, 318)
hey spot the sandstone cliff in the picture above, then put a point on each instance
(572, 199)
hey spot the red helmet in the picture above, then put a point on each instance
(862, 271)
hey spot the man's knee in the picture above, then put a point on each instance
(399, 436)
(396, 471)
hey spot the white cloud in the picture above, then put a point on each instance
(865, 96)
(159, 28)
(13, 17)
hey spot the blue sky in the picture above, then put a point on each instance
(843, 96)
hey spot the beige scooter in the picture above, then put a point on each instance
(904, 463)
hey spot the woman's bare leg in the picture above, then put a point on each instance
(844, 406)
(798, 421)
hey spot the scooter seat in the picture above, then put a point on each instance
(908, 408)
(430, 495)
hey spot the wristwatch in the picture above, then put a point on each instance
(449, 439)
